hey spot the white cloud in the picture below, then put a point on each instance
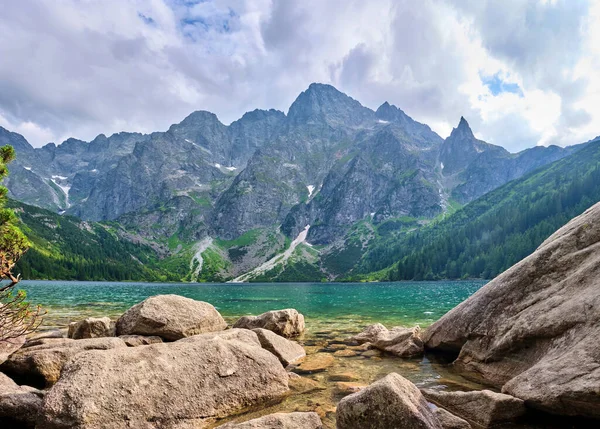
(82, 68)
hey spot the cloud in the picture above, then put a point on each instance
(523, 72)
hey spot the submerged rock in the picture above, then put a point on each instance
(402, 342)
(286, 351)
(163, 385)
(485, 408)
(91, 327)
(41, 364)
(287, 323)
(392, 402)
(534, 330)
(279, 421)
(317, 362)
(171, 317)
(19, 405)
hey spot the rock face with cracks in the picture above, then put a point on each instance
(534, 331)
(163, 385)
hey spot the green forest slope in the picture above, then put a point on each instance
(494, 232)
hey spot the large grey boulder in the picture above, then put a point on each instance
(178, 384)
(392, 402)
(286, 351)
(402, 342)
(91, 327)
(171, 317)
(534, 330)
(287, 323)
(279, 421)
(42, 363)
(9, 346)
(484, 408)
(19, 406)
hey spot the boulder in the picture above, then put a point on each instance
(235, 334)
(170, 317)
(54, 333)
(8, 347)
(287, 323)
(401, 342)
(91, 327)
(483, 407)
(534, 331)
(179, 384)
(286, 351)
(449, 420)
(140, 340)
(317, 362)
(392, 402)
(41, 364)
(279, 421)
(19, 406)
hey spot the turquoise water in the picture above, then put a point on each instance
(339, 305)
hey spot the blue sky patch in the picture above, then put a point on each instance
(498, 86)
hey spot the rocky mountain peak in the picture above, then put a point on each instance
(324, 104)
(463, 130)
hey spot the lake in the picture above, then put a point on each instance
(333, 312)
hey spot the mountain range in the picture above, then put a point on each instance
(307, 193)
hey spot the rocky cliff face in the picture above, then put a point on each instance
(329, 163)
(534, 331)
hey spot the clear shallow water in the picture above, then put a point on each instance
(333, 312)
(336, 305)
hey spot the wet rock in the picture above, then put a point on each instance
(170, 317)
(449, 420)
(348, 387)
(287, 323)
(345, 353)
(302, 385)
(343, 376)
(318, 362)
(279, 421)
(371, 353)
(534, 331)
(41, 364)
(91, 327)
(286, 351)
(392, 402)
(140, 340)
(485, 408)
(402, 342)
(179, 384)
(19, 406)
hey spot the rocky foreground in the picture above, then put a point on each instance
(170, 362)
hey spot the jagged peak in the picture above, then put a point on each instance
(463, 129)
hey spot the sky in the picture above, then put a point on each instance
(522, 72)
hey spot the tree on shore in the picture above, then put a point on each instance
(17, 316)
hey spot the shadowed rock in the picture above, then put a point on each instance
(534, 330)
(279, 421)
(19, 406)
(91, 327)
(402, 342)
(42, 363)
(485, 408)
(392, 402)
